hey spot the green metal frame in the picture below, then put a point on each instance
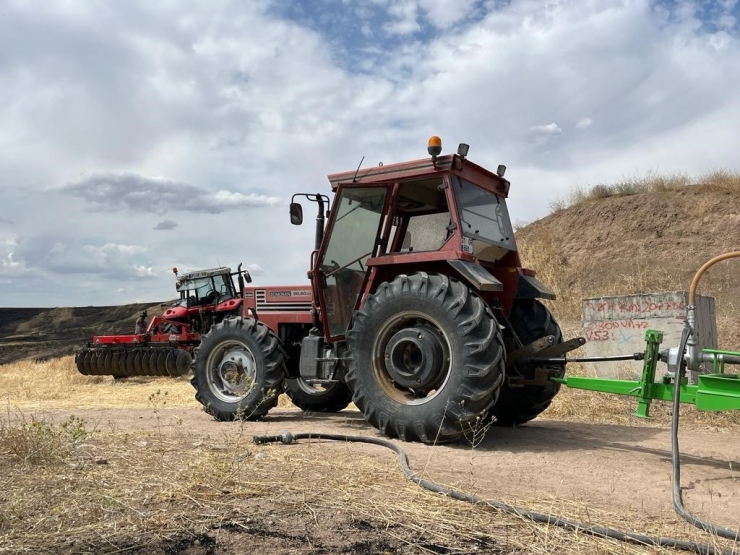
(714, 392)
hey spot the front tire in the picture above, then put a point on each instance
(238, 370)
(426, 358)
(530, 320)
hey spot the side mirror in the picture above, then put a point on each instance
(296, 213)
(247, 277)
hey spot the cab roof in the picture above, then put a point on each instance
(452, 163)
(205, 273)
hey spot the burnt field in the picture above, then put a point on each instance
(44, 333)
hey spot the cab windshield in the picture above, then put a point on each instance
(483, 214)
(207, 289)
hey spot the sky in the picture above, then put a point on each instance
(138, 136)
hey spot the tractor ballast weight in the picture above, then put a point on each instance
(164, 346)
(417, 299)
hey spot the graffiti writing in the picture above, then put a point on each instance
(613, 330)
(634, 324)
(635, 307)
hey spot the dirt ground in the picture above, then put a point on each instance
(596, 470)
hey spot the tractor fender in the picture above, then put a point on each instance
(476, 275)
(529, 287)
(175, 313)
(231, 304)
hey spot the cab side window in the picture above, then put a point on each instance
(422, 214)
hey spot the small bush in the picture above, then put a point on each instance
(39, 442)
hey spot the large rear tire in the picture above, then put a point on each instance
(238, 370)
(530, 320)
(329, 398)
(425, 359)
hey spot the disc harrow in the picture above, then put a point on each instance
(125, 362)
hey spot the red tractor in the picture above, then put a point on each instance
(164, 347)
(418, 311)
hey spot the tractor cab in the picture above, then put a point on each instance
(206, 287)
(443, 214)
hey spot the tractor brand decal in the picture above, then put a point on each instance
(283, 301)
(290, 293)
(249, 295)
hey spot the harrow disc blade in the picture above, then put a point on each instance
(170, 363)
(182, 362)
(127, 363)
(161, 363)
(122, 363)
(79, 362)
(137, 358)
(115, 363)
(100, 363)
(152, 370)
(145, 355)
(88, 357)
(93, 362)
(106, 369)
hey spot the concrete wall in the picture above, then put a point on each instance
(617, 325)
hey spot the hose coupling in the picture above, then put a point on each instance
(285, 438)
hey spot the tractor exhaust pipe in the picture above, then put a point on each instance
(319, 223)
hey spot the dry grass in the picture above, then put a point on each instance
(56, 383)
(570, 287)
(717, 180)
(147, 493)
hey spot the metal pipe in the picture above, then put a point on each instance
(611, 358)
(704, 268)
(726, 359)
(692, 346)
(693, 355)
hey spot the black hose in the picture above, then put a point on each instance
(675, 454)
(598, 531)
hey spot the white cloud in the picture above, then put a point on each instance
(239, 106)
(254, 269)
(113, 191)
(727, 21)
(583, 123)
(405, 17)
(540, 135)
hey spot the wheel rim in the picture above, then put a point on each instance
(232, 371)
(411, 358)
(311, 389)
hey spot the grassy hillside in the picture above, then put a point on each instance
(641, 235)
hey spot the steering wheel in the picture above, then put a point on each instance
(335, 270)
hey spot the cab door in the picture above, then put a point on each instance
(352, 237)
